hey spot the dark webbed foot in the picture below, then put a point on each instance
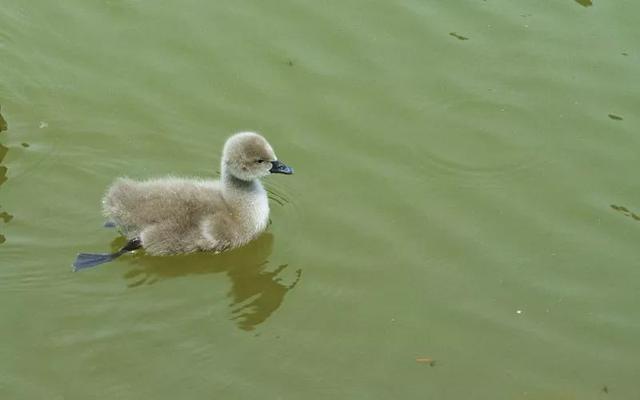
(88, 260)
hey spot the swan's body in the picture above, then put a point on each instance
(174, 215)
(177, 215)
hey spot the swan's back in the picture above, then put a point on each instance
(136, 204)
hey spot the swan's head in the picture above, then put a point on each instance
(248, 156)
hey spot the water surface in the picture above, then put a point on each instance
(462, 224)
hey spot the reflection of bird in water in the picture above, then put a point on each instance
(256, 291)
(3, 123)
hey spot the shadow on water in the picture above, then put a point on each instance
(5, 216)
(256, 289)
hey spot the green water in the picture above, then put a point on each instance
(466, 192)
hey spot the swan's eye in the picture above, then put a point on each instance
(259, 161)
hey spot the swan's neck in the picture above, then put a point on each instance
(249, 200)
(240, 186)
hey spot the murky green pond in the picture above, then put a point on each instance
(463, 222)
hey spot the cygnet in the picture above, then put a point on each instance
(178, 215)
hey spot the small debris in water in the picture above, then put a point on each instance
(290, 63)
(619, 208)
(584, 3)
(426, 360)
(455, 35)
(626, 212)
(605, 389)
(616, 117)
(518, 311)
(24, 144)
(43, 125)
(625, 54)
(5, 216)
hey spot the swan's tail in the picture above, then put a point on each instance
(89, 260)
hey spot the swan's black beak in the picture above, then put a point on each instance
(279, 168)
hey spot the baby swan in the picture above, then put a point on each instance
(177, 215)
